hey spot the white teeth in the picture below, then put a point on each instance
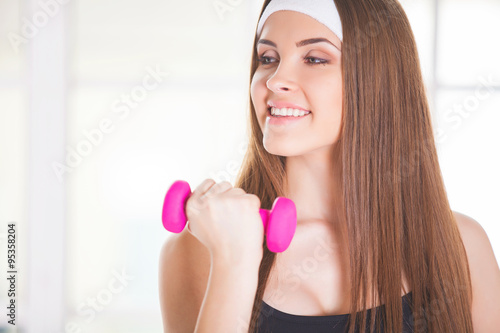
(288, 112)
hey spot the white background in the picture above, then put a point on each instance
(75, 233)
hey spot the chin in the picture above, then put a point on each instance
(282, 149)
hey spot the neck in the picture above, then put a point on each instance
(313, 183)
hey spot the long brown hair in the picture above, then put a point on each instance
(394, 201)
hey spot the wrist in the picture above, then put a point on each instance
(226, 260)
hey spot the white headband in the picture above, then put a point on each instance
(323, 11)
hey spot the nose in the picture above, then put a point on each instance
(282, 79)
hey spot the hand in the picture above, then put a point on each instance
(226, 220)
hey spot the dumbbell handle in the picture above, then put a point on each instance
(281, 230)
(264, 215)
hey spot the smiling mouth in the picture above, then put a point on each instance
(290, 113)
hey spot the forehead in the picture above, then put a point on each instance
(284, 24)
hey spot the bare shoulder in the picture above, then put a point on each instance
(184, 268)
(485, 274)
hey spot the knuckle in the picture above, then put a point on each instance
(225, 183)
(218, 186)
(209, 201)
(202, 185)
(239, 190)
(254, 200)
(197, 203)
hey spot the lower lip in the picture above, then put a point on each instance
(271, 120)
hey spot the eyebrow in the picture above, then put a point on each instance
(301, 43)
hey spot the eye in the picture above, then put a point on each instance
(263, 60)
(320, 61)
(309, 60)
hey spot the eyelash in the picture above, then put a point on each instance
(322, 61)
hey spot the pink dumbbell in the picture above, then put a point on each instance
(279, 223)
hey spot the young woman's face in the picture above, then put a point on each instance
(308, 76)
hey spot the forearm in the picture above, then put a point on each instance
(227, 305)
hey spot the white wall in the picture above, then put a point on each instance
(190, 126)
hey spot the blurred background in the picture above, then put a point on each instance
(103, 104)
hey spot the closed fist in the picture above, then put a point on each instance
(226, 220)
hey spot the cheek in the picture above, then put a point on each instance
(258, 91)
(334, 93)
(253, 93)
(329, 95)
(335, 109)
(257, 95)
(328, 99)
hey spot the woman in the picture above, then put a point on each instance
(374, 226)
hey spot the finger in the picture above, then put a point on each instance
(218, 188)
(203, 187)
(199, 191)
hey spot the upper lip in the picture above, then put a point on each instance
(283, 104)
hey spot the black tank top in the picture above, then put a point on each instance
(272, 320)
